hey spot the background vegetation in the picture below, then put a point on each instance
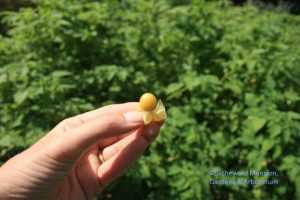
(229, 77)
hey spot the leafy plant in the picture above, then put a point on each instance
(228, 76)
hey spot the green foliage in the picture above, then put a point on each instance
(229, 77)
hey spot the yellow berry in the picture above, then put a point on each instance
(148, 102)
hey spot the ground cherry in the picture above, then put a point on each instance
(148, 102)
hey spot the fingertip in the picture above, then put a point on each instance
(151, 131)
(134, 117)
(160, 123)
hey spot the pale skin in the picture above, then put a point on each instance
(64, 164)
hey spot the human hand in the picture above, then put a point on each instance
(65, 163)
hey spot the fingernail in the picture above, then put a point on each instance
(134, 117)
(152, 131)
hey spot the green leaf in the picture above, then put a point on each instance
(21, 95)
(161, 173)
(250, 99)
(256, 123)
(60, 73)
(174, 87)
(267, 145)
(6, 141)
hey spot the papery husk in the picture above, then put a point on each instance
(158, 114)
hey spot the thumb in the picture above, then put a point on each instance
(69, 144)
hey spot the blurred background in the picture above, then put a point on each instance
(228, 73)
